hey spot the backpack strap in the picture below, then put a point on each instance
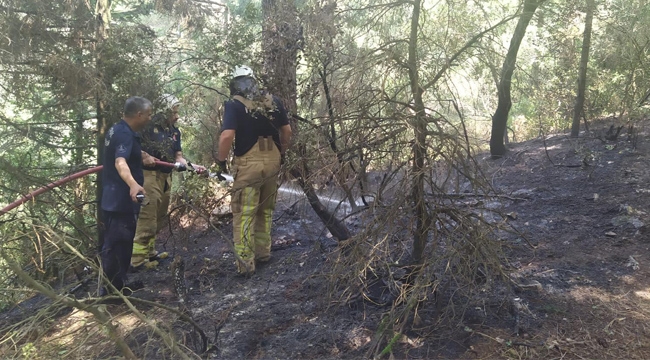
(247, 103)
(251, 105)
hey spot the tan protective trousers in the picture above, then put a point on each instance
(253, 201)
(152, 216)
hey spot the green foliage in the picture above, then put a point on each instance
(54, 76)
(28, 351)
(621, 50)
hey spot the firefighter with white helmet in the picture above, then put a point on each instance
(161, 140)
(258, 126)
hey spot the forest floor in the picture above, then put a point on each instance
(580, 205)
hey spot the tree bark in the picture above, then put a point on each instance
(500, 117)
(103, 17)
(282, 37)
(79, 139)
(419, 124)
(582, 76)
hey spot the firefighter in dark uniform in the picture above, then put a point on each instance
(260, 129)
(122, 182)
(161, 140)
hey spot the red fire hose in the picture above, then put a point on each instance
(62, 181)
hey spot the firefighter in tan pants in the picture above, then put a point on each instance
(161, 140)
(260, 129)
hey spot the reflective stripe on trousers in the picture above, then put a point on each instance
(152, 216)
(255, 190)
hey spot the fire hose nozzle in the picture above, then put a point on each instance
(179, 167)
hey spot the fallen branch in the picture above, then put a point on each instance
(461, 196)
(183, 316)
(98, 312)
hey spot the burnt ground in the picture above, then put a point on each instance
(579, 268)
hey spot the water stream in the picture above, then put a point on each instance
(333, 201)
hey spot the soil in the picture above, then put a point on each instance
(579, 269)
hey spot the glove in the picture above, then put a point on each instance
(221, 168)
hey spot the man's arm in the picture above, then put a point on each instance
(147, 159)
(177, 148)
(178, 156)
(146, 135)
(225, 143)
(125, 173)
(285, 138)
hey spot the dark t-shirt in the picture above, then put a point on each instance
(122, 142)
(249, 125)
(161, 141)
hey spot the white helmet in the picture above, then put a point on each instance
(167, 102)
(242, 70)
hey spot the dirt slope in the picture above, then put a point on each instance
(588, 270)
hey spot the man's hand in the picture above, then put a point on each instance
(134, 190)
(125, 174)
(148, 160)
(199, 169)
(222, 167)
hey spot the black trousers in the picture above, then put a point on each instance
(119, 230)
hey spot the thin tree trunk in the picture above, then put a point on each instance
(582, 76)
(334, 225)
(419, 124)
(500, 117)
(103, 17)
(331, 139)
(282, 37)
(81, 190)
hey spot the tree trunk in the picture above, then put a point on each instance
(103, 17)
(81, 190)
(500, 117)
(419, 124)
(282, 37)
(582, 76)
